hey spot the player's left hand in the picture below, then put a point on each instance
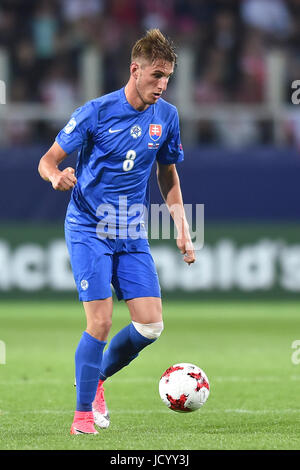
(186, 248)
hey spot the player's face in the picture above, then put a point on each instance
(152, 79)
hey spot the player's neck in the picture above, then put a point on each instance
(133, 98)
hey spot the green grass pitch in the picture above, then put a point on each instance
(245, 349)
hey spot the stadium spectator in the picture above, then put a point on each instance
(230, 42)
(44, 29)
(270, 16)
(58, 90)
(252, 65)
(73, 11)
(210, 87)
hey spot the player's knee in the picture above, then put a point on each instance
(100, 326)
(149, 330)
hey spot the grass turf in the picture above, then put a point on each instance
(245, 349)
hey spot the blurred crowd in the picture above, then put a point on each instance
(45, 40)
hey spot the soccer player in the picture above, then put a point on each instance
(119, 136)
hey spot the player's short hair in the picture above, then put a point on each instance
(154, 45)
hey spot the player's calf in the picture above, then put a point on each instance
(123, 348)
(126, 345)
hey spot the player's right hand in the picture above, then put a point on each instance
(64, 180)
(186, 248)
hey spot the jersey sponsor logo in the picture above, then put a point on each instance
(70, 126)
(112, 131)
(135, 131)
(84, 284)
(155, 131)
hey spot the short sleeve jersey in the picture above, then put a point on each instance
(117, 146)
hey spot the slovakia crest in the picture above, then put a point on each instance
(155, 131)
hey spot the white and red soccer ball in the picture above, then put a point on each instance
(184, 387)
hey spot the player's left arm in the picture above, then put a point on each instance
(169, 185)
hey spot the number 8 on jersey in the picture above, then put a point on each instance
(129, 162)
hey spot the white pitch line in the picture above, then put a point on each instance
(59, 382)
(286, 411)
(157, 411)
(57, 412)
(260, 378)
(207, 411)
(295, 377)
(221, 379)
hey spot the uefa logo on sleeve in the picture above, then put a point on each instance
(70, 126)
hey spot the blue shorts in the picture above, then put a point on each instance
(97, 263)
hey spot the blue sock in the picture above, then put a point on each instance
(88, 358)
(123, 348)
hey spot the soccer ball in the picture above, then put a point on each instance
(184, 387)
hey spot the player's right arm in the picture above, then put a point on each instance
(49, 171)
(78, 130)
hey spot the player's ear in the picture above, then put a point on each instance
(134, 69)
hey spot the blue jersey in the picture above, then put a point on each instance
(117, 147)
